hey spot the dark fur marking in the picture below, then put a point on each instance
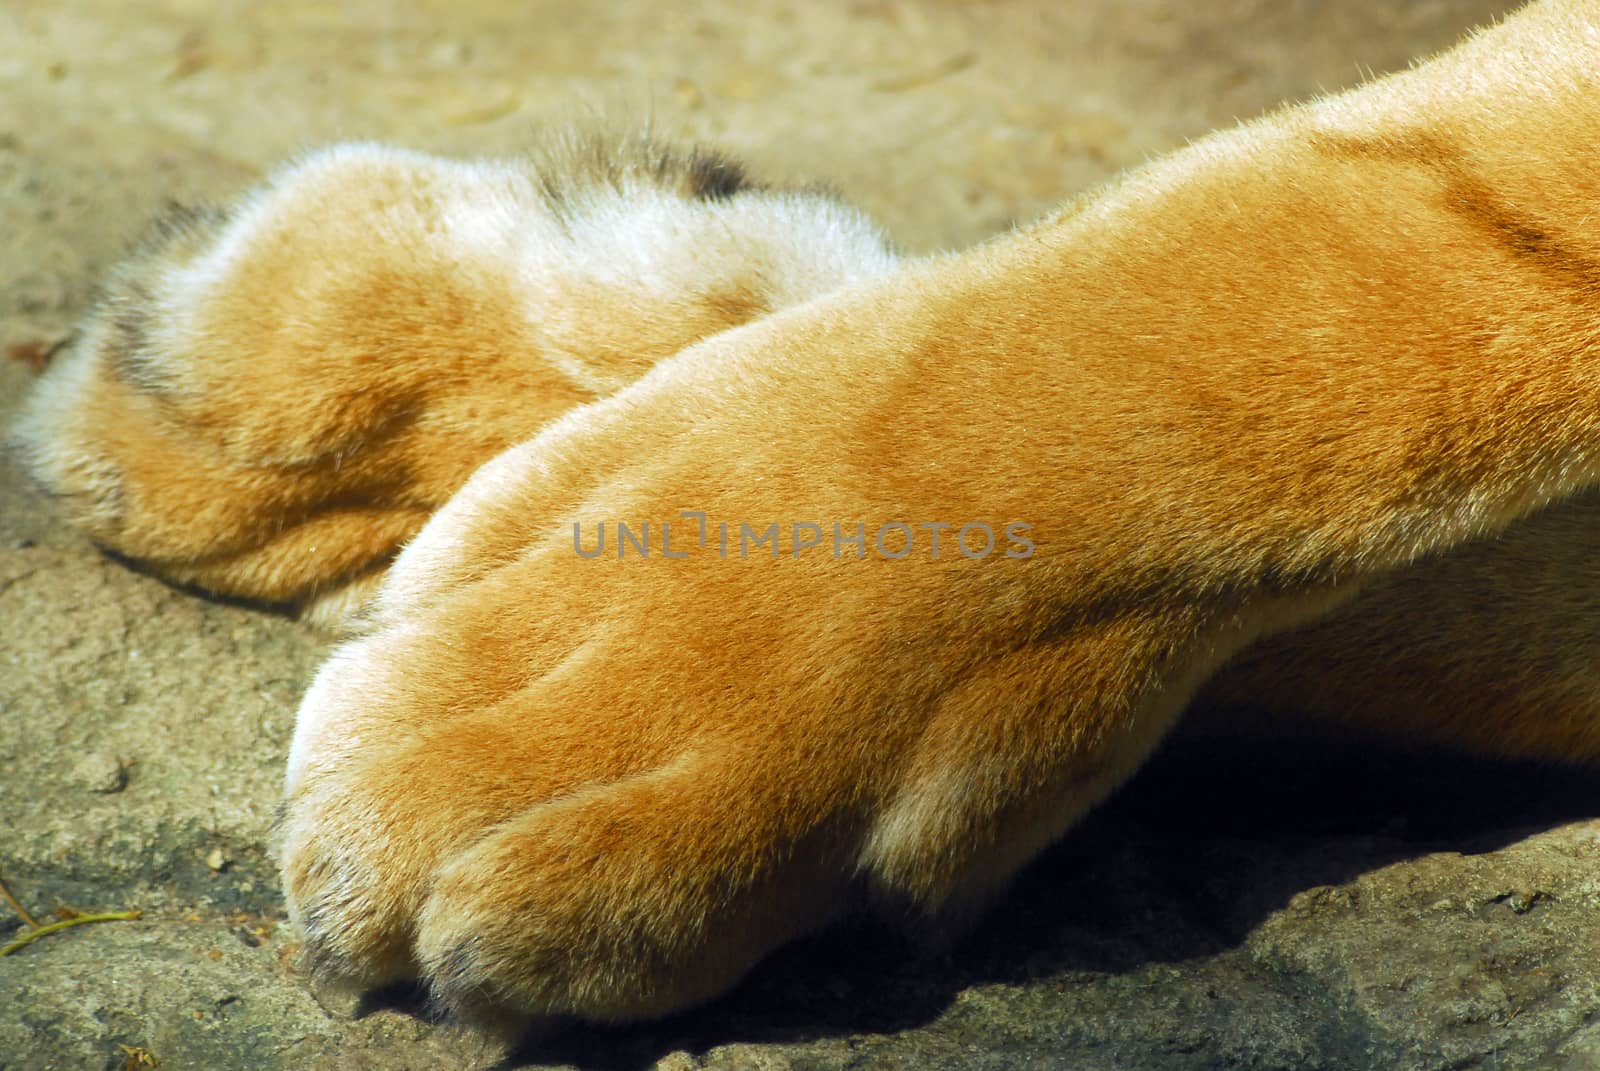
(585, 160)
(1523, 236)
(737, 305)
(176, 235)
(178, 222)
(711, 176)
(459, 993)
(125, 345)
(1468, 196)
(457, 964)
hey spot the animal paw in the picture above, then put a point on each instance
(269, 400)
(550, 781)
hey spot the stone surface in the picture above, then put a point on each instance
(1273, 911)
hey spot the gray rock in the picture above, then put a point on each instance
(102, 772)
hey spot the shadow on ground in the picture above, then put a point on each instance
(1182, 866)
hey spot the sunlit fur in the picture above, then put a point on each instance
(1327, 384)
(269, 400)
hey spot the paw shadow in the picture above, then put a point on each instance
(1182, 865)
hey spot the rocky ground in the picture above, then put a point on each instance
(1275, 911)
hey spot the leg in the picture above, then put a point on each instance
(1227, 395)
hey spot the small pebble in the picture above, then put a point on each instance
(218, 860)
(676, 1061)
(340, 1002)
(101, 772)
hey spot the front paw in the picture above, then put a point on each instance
(209, 420)
(606, 785)
(535, 860)
(269, 402)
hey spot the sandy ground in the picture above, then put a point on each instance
(1343, 912)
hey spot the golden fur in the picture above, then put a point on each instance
(269, 401)
(1319, 395)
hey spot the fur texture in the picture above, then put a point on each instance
(1314, 402)
(270, 400)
